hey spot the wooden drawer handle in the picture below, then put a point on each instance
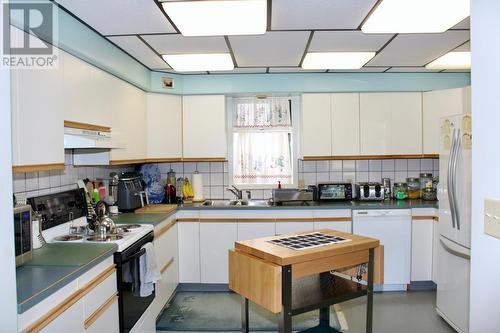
(167, 265)
(100, 310)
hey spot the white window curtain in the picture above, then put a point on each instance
(262, 141)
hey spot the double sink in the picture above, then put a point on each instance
(237, 203)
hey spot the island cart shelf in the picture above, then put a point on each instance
(289, 282)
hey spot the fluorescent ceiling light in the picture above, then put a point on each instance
(416, 16)
(336, 60)
(199, 62)
(451, 60)
(218, 17)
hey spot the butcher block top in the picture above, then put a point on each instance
(156, 209)
(280, 255)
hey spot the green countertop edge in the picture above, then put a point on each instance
(25, 305)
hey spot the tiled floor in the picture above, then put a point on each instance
(411, 312)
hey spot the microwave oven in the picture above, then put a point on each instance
(335, 191)
(22, 234)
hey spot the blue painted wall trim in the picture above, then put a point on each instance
(311, 82)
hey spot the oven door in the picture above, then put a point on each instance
(131, 305)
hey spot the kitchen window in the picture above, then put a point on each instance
(262, 142)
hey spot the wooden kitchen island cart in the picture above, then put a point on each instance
(287, 279)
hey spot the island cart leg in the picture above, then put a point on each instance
(244, 315)
(324, 313)
(285, 317)
(369, 303)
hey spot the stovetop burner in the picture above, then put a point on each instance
(107, 238)
(68, 238)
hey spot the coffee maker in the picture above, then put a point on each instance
(131, 194)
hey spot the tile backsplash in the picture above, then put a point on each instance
(313, 172)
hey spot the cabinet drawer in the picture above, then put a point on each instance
(100, 293)
(106, 319)
(165, 243)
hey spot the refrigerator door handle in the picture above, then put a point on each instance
(455, 163)
(454, 248)
(449, 180)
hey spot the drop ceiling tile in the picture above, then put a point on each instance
(177, 44)
(412, 70)
(361, 70)
(137, 49)
(347, 41)
(243, 71)
(465, 24)
(418, 49)
(283, 48)
(294, 70)
(319, 14)
(114, 17)
(464, 47)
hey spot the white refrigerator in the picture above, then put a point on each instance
(454, 195)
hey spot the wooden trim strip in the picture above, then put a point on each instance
(52, 314)
(368, 157)
(100, 310)
(165, 228)
(267, 219)
(204, 159)
(167, 265)
(124, 162)
(420, 218)
(173, 159)
(92, 127)
(164, 159)
(37, 167)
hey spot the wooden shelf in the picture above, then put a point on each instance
(310, 293)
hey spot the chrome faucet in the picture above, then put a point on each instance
(236, 191)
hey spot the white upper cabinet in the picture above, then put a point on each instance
(391, 123)
(204, 126)
(345, 124)
(164, 126)
(406, 116)
(438, 104)
(128, 125)
(375, 124)
(316, 122)
(37, 118)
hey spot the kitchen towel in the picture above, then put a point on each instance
(149, 273)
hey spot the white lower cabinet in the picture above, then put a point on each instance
(70, 320)
(287, 227)
(344, 226)
(435, 247)
(421, 249)
(215, 241)
(107, 321)
(335, 219)
(189, 252)
(251, 230)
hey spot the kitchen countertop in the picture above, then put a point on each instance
(142, 218)
(386, 204)
(54, 266)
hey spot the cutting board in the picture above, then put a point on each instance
(156, 209)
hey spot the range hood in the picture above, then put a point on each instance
(77, 138)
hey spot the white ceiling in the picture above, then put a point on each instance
(141, 29)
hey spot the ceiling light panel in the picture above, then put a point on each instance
(336, 60)
(199, 62)
(451, 60)
(422, 16)
(218, 17)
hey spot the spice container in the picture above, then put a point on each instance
(429, 194)
(413, 188)
(425, 180)
(400, 191)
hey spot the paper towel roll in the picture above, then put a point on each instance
(197, 186)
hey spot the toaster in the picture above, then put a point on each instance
(370, 191)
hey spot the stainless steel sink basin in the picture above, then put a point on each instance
(236, 203)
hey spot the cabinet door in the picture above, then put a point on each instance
(288, 227)
(435, 247)
(129, 123)
(252, 230)
(375, 124)
(204, 126)
(70, 320)
(215, 241)
(436, 105)
(108, 321)
(344, 226)
(164, 126)
(189, 252)
(316, 134)
(421, 250)
(345, 124)
(37, 117)
(406, 127)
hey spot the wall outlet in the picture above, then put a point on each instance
(492, 217)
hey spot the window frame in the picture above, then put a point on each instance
(295, 114)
